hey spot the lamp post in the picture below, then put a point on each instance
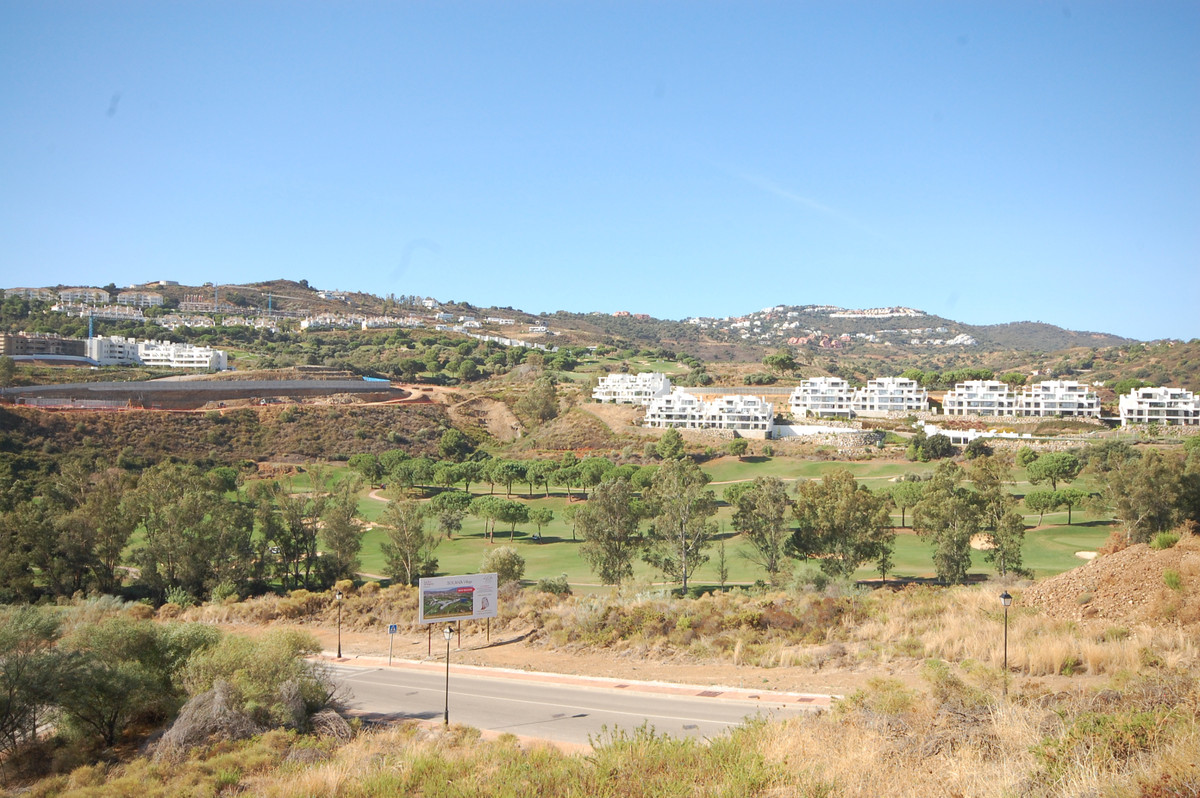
(338, 598)
(447, 632)
(1006, 600)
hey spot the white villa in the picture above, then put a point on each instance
(1058, 398)
(117, 351)
(749, 416)
(824, 397)
(632, 389)
(1169, 406)
(980, 398)
(889, 395)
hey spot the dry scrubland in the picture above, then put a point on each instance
(1103, 699)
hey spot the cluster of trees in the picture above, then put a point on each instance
(198, 539)
(934, 380)
(91, 672)
(679, 507)
(1150, 491)
(924, 447)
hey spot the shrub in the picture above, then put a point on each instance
(508, 565)
(882, 695)
(224, 593)
(180, 597)
(1164, 540)
(558, 586)
(267, 678)
(1173, 580)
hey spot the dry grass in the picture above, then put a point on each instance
(953, 736)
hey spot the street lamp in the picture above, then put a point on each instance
(338, 598)
(1006, 600)
(447, 632)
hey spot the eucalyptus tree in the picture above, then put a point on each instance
(408, 550)
(845, 522)
(947, 516)
(609, 523)
(762, 516)
(680, 506)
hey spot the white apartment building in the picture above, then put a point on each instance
(114, 350)
(676, 409)
(889, 395)
(749, 416)
(1169, 406)
(980, 398)
(32, 294)
(89, 296)
(823, 397)
(140, 299)
(181, 356)
(631, 389)
(173, 320)
(1058, 398)
(115, 312)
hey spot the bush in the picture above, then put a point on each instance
(558, 586)
(508, 565)
(267, 678)
(180, 597)
(1164, 540)
(1173, 580)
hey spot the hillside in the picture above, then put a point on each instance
(262, 433)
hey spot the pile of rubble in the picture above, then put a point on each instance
(1137, 584)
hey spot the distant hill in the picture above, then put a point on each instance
(1039, 336)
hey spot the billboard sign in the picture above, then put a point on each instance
(457, 598)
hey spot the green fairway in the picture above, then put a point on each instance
(731, 469)
(1048, 550)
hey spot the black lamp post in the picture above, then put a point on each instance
(1006, 600)
(447, 632)
(338, 598)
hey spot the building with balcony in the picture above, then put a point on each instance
(980, 398)
(140, 299)
(34, 344)
(823, 397)
(113, 312)
(1166, 406)
(114, 350)
(889, 395)
(1054, 398)
(31, 294)
(748, 416)
(631, 389)
(85, 296)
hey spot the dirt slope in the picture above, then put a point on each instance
(1134, 585)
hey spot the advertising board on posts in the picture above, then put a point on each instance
(457, 598)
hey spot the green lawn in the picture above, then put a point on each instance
(731, 469)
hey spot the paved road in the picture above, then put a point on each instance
(560, 708)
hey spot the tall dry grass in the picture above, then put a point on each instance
(951, 736)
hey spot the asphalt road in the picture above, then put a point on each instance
(562, 709)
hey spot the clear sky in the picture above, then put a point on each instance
(985, 161)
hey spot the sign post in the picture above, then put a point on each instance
(451, 600)
(391, 641)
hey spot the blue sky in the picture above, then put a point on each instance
(985, 161)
